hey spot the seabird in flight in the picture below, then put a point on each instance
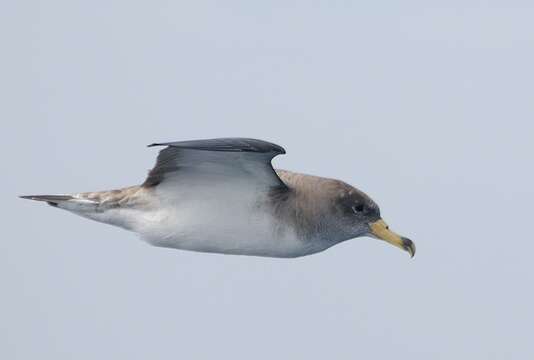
(223, 196)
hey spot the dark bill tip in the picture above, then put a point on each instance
(408, 245)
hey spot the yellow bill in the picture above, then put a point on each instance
(380, 230)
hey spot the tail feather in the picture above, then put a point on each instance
(110, 207)
(77, 202)
(52, 200)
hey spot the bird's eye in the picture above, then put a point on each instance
(358, 208)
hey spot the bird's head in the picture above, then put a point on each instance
(359, 216)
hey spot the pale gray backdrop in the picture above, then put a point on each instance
(429, 109)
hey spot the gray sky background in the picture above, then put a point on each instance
(427, 108)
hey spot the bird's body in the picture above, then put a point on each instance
(223, 196)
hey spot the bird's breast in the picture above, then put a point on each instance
(222, 222)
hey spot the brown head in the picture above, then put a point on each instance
(331, 211)
(359, 215)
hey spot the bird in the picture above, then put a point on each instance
(224, 196)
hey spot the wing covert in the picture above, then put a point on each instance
(223, 159)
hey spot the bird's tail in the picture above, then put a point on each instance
(51, 200)
(110, 207)
(68, 202)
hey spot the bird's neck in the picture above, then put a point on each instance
(306, 205)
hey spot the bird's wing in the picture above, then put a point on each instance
(224, 160)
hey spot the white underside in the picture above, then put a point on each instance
(220, 219)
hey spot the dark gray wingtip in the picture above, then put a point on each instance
(154, 144)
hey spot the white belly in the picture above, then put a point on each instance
(229, 224)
